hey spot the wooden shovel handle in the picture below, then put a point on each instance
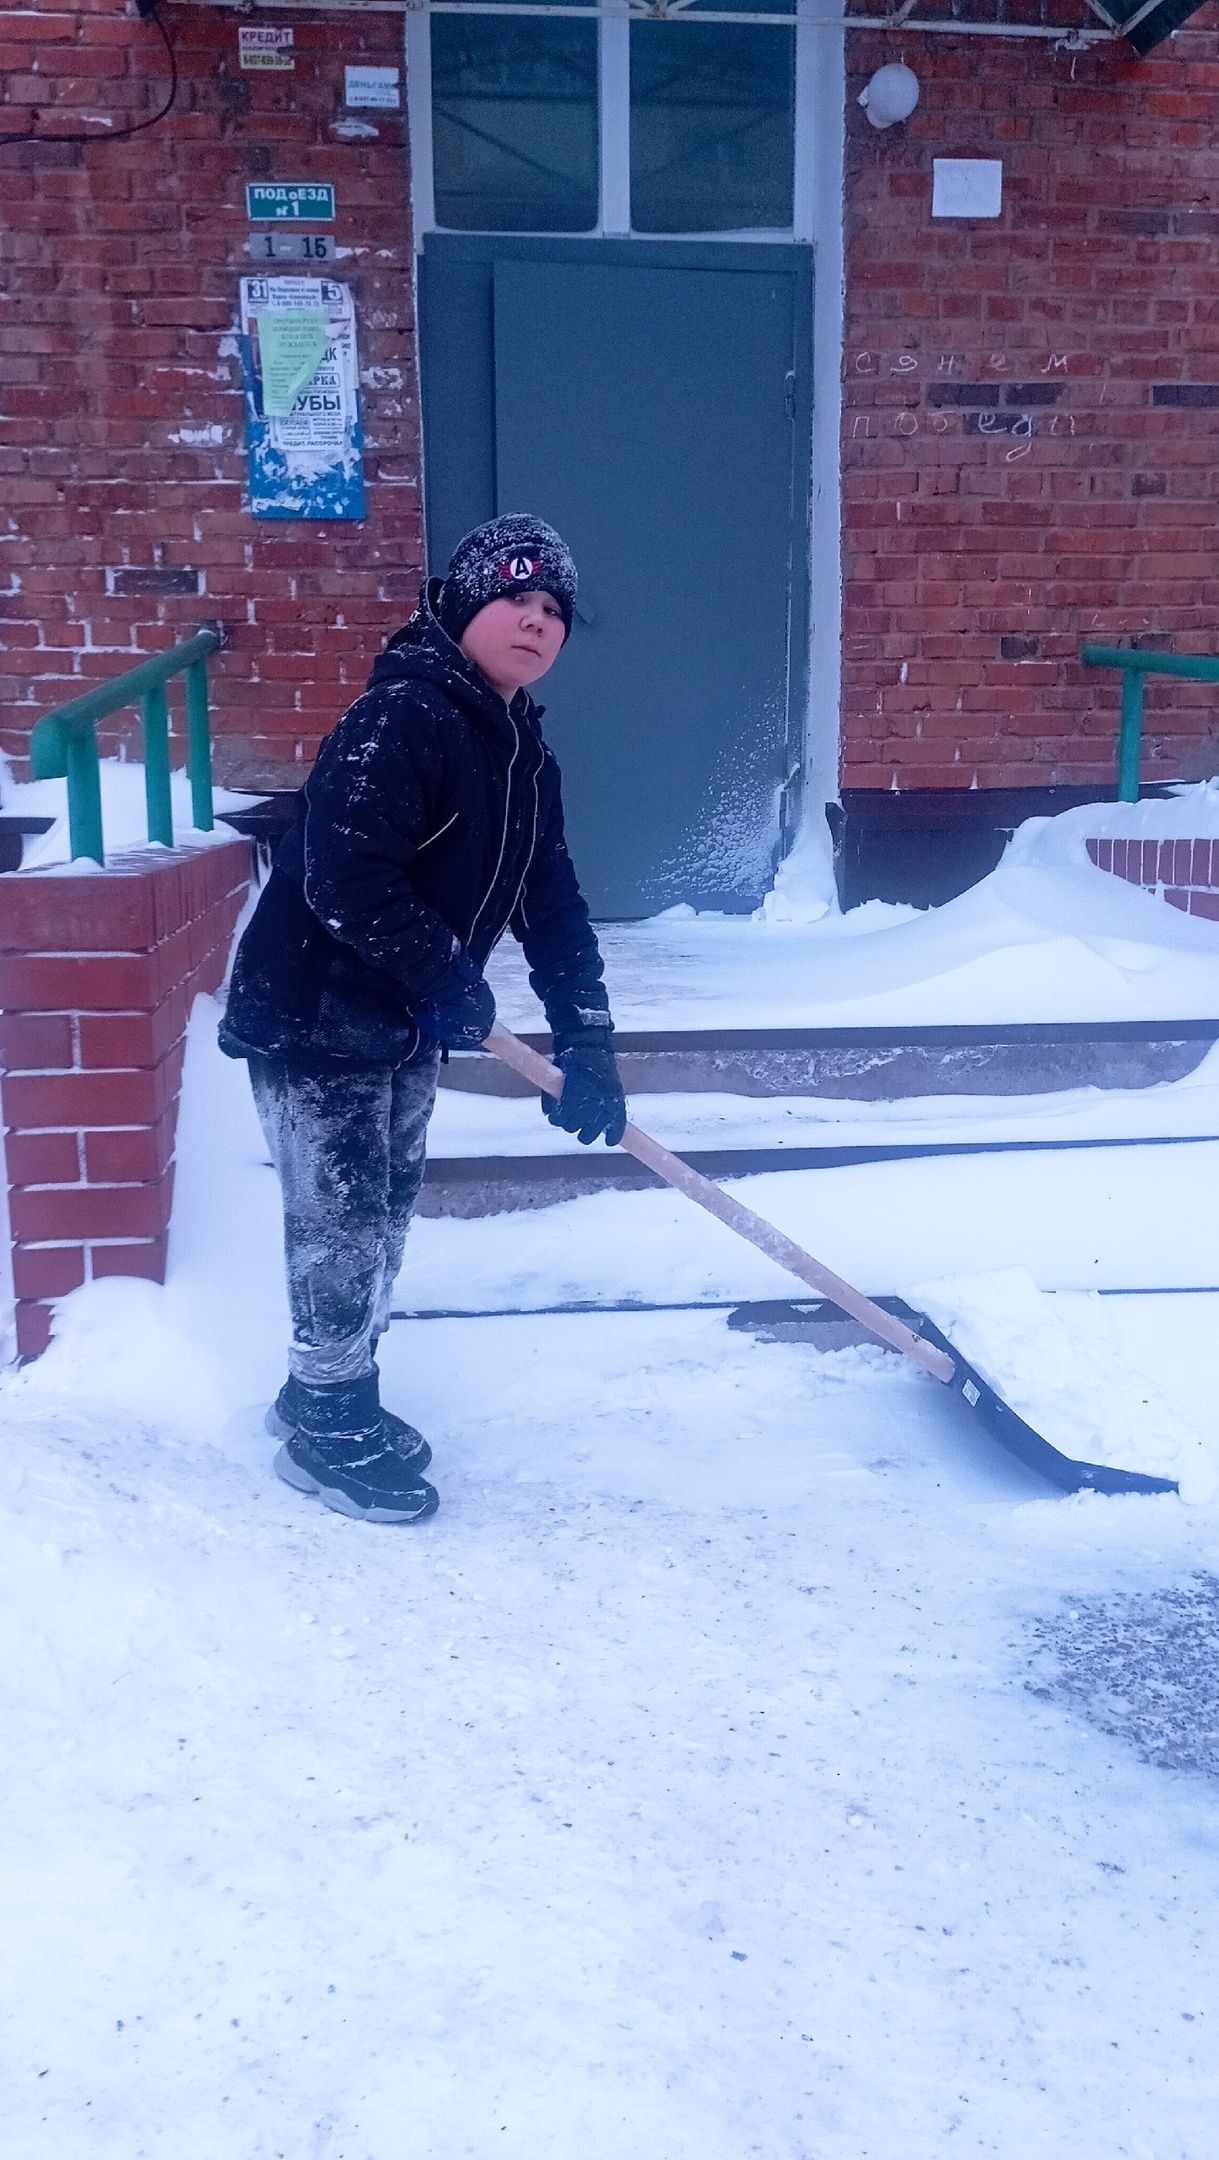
(549, 1080)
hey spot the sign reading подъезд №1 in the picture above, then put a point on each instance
(304, 441)
(302, 202)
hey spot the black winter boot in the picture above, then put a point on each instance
(340, 1450)
(282, 1421)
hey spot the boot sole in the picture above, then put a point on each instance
(340, 1503)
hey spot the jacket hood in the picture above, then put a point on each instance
(421, 651)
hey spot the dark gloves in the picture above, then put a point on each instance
(592, 1101)
(461, 1013)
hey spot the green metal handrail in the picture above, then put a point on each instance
(1136, 667)
(64, 744)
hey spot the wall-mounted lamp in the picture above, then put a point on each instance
(891, 95)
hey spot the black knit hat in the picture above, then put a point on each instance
(511, 555)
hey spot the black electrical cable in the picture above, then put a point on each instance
(33, 133)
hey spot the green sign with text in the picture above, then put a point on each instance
(304, 201)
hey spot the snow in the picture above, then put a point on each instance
(1040, 939)
(1060, 1363)
(1189, 812)
(1046, 937)
(804, 890)
(209, 437)
(469, 1124)
(124, 813)
(699, 1783)
(749, 1758)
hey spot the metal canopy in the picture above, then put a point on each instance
(1142, 23)
(1075, 24)
(1146, 23)
(1072, 23)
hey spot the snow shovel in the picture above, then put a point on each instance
(923, 1344)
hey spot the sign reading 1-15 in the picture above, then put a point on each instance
(290, 247)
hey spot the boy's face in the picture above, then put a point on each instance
(515, 641)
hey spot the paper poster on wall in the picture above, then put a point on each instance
(260, 47)
(377, 87)
(304, 441)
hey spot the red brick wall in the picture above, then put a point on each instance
(1185, 871)
(1087, 317)
(123, 259)
(975, 563)
(97, 978)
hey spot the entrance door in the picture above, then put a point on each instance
(648, 401)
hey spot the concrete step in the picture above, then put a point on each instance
(862, 1065)
(472, 1185)
(884, 1064)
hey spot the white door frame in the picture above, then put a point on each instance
(818, 219)
(8, 1294)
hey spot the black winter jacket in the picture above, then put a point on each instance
(430, 824)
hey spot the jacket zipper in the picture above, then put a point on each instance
(516, 744)
(436, 835)
(533, 841)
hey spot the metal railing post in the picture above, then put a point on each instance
(1130, 734)
(64, 744)
(157, 794)
(1134, 666)
(199, 746)
(84, 798)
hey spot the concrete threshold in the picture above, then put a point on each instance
(885, 1064)
(474, 1185)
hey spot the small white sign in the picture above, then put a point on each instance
(967, 187)
(259, 46)
(290, 247)
(373, 86)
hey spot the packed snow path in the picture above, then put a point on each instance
(679, 1791)
(748, 1763)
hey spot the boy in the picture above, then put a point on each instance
(430, 824)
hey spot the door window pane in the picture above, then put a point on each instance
(712, 125)
(514, 123)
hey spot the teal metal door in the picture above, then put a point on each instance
(650, 403)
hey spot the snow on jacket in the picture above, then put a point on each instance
(430, 824)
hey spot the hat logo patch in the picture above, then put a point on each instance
(516, 567)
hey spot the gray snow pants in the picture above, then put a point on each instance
(349, 1150)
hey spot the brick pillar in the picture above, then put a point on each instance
(97, 978)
